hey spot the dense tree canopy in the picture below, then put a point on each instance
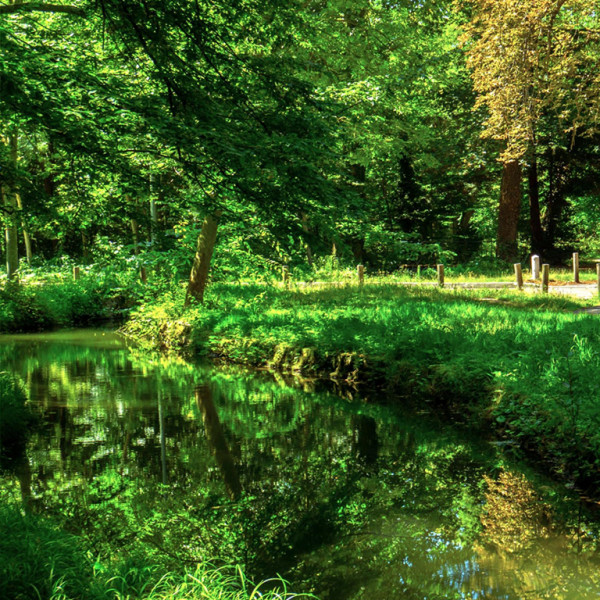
(381, 130)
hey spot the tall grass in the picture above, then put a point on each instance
(40, 562)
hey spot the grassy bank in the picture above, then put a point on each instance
(524, 366)
(38, 561)
(56, 300)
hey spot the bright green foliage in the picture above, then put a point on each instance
(510, 358)
(40, 562)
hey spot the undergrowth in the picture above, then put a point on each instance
(60, 301)
(38, 561)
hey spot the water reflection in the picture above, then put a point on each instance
(347, 498)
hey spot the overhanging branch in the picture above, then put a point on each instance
(6, 9)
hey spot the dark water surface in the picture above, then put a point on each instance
(346, 498)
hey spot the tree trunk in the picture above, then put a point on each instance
(153, 211)
(537, 234)
(217, 442)
(508, 212)
(26, 236)
(204, 252)
(306, 229)
(555, 202)
(135, 230)
(10, 203)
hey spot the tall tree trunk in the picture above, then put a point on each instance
(11, 205)
(204, 252)
(135, 230)
(153, 211)
(306, 229)
(537, 234)
(508, 211)
(217, 442)
(555, 202)
(26, 236)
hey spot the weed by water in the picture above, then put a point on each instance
(40, 562)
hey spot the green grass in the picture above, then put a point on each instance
(38, 561)
(525, 365)
(56, 300)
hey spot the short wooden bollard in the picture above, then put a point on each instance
(519, 276)
(75, 273)
(576, 267)
(360, 271)
(285, 275)
(598, 277)
(440, 275)
(535, 267)
(545, 278)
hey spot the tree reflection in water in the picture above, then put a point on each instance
(354, 500)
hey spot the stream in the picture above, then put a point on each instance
(349, 498)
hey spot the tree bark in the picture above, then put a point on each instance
(135, 230)
(537, 233)
(204, 252)
(556, 202)
(9, 199)
(508, 211)
(26, 236)
(306, 229)
(153, 211)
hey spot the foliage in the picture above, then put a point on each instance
(524, 361)
(50, 298)
(40, 562)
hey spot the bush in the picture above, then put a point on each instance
(37, 561)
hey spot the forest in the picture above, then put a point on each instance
(259, 319)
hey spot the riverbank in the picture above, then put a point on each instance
(521, 367)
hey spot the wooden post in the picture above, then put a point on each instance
(519, 276)
(418, 271)
(360, 271)
(545, 278)
(75, 273)
(576, 267)
(285, 275)
(598, 277)
(535, 267)
(440, 275)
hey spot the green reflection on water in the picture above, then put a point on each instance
(152, 456)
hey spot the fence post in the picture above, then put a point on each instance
(285, 275)
(75, 273)
(440, 275)
(519, 276)
(360, 271)
(545, 278)
(535, 267)
(576, 267)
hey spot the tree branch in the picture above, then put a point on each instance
(6, 9)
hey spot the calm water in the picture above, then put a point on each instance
(342, 497)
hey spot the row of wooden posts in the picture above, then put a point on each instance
(536, 270)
